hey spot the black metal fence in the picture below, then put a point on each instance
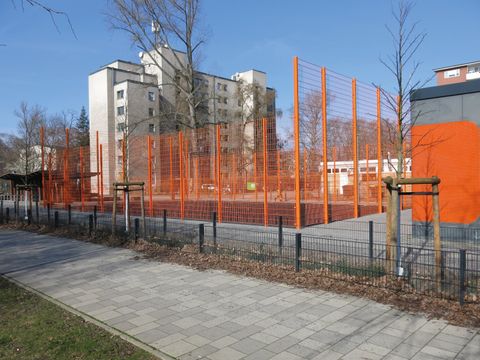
(355, 253)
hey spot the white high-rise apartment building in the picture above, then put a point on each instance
(124, 95)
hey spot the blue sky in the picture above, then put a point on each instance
(44, 67)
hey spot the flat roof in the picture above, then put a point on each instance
(456, 66)
(467, 87)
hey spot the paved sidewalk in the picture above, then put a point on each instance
(214, 315)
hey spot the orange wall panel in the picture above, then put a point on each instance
(450, 151)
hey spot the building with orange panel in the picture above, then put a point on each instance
(446, 143)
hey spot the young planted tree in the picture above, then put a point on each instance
(406, 40)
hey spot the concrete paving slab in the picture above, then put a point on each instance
(215, 315)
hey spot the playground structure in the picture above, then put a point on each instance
(330, 169)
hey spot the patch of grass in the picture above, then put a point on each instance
(370, 270)
(33, 328)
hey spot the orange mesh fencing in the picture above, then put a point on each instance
(244, 172)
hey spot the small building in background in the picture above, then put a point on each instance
(446, 143)
(458, 73)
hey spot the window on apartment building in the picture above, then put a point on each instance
(120, 110)
(225, 87)
(225, 100)
(239, 102)
(224, 138)
(451, 73)
(151, 112)
(120, 94)
(151, 128)
(473, 69)
(151, 96)
(219, 86)
(219, 99)
(224, 126)
(121, 126)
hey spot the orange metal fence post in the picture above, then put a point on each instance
(124, 168)
(279, 180)
(379, 154)
(296, 137)
(334, 150)
(187, 170)
(170, 144)
(197, 179)
(66, 187)
(234, 176)
(158, 166)
(324, 139)
(101, 179)
(255, 175)
(305, 175)
(181, 186)
(42, 143)
(50, 178)
(98, 168)
(367, 174)
(265, 180)
(355, 148)
(149, 169)
(404, 168)
(82, 181)
(219, 174)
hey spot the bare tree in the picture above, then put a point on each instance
(55, 129)
(157, 25)
(254, 103)
(30, 119)
(52, 12)
(406, 39)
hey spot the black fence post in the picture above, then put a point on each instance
(298, 247)
(214, 223)
(408, 264)
(7, 215)
(164, 221)
(55, 219)
(29, 216)
(69, 208)
(1, 211)
(136, 228)
(370, 240)
(442, 268)
(90, 225)
(95, 216)
(280, 233)
(463, 266)
(48, 214)
(37, 212)
(201, 237)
